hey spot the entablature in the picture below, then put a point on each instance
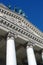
(26, 23)
(11, 27)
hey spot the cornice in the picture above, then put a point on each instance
(22, 19)
(14, 27)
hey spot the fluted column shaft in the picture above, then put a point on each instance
(31, 56)
(11, 53)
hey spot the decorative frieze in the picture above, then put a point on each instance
(21, 19)
(19, 29)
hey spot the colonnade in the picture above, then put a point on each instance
(11, 52)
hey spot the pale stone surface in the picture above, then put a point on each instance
(11, 53)
(31, 56)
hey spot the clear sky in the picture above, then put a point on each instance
(32, 8)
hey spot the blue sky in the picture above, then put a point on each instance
(32, 8)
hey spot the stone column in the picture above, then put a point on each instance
(31, 56)
(10, 51)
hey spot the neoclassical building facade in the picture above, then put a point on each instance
(21, 43)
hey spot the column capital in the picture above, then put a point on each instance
(11, 35)
(30, 44)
